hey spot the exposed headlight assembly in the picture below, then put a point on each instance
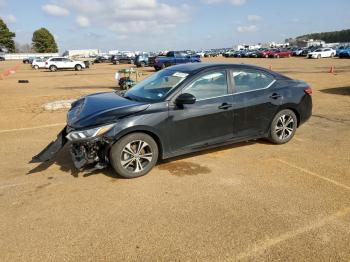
(89, 133)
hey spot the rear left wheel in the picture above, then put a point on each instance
(134, 155)
(53, 68)
(283, 127)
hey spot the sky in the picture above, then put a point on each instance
(153, 25)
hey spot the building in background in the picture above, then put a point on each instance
(82, 53)
(247, 47)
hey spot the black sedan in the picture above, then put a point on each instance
(182, 109)
(101, 59)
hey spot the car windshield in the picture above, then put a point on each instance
(157, 86)
(318, 50)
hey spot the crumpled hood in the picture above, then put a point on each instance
(101, 108)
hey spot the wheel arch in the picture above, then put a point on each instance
(144, 130)
(295, 111)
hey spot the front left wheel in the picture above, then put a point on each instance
(134, 155)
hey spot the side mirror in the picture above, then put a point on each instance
(185, 99)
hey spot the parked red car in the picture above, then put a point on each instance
(265, 53)
(277, 53)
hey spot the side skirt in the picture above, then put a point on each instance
(210, 146)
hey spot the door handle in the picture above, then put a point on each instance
(275, 96)
(225, 106)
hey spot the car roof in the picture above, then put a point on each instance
(192, 68)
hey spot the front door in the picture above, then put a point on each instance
(207, 121)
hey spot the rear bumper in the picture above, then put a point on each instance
(305, 109)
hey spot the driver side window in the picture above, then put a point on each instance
(210, 85)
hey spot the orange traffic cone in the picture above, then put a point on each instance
(332, 70)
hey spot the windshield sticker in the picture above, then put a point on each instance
(180, 74)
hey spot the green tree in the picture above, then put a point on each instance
(329, 37)
(44, 42)
(6, 37)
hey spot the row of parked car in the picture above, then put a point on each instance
(149, 59)
(311, 52)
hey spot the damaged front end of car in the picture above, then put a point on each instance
(92, 129)
(90, 146)
(87, 147)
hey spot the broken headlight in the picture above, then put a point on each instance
(89, 133)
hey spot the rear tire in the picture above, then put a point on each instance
(53, 68)
(283, 127)
(142, 64)
(36, 67)
(134, 155)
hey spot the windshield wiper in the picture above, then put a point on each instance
(128, 97)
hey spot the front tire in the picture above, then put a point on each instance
(134, 155)
(78, 68)
(283, 127)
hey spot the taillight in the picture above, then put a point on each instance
(308, 91)
(46, 63)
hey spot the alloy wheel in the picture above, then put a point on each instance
(284, 127)
(136, 156)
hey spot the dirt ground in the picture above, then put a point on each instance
(249, 202)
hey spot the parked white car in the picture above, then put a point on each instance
(201, 53)
(38, 63)
(57, 63)
(321, 53)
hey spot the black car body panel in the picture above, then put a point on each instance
(236, 116)
(101, 108)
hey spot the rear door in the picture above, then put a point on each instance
(255, 101)
(181, 58)
(58, 62)
(67, 63)
(207, 121)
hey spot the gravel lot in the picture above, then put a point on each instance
(251, 201)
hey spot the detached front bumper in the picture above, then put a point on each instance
(52, 149)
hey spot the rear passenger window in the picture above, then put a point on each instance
(250, 80)
(210, 85)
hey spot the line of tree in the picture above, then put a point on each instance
(6, 38)
(42, 41)
(329, 37)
